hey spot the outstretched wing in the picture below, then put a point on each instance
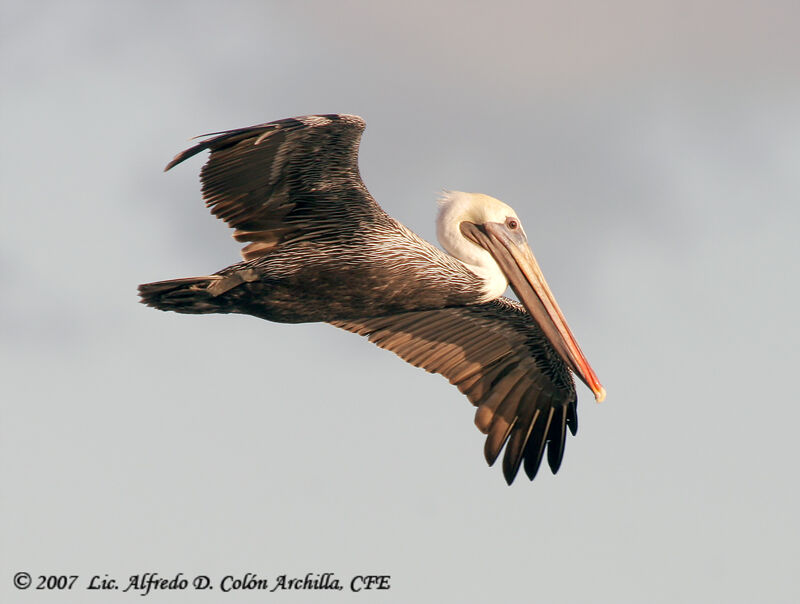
(496, 355)
(287, 180)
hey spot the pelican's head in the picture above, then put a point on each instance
(456, 207)
(488, 237)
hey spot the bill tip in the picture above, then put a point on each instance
(600, 395)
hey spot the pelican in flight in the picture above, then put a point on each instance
(319, 248)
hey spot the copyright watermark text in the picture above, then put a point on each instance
(144, 584)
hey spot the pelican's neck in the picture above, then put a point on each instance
(494, 281)
(476, 259)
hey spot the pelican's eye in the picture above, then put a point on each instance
(512, 223)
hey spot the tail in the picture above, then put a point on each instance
(193, 295)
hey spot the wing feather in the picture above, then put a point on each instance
(536, 444)
(291, 180)
(518, 440)
(509, 394)
(498, 357)
(555, 447)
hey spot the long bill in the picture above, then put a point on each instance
(516, 260)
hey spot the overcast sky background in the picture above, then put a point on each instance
(650, 148)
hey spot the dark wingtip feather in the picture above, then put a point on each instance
(534, 450)
(572, 417)
(558, 436)
(184, 155)
(518, 442)
(511, 465)
(533, 459)
(209, 143)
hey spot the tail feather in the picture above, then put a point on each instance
(194, 295)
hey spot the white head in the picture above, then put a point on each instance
(456, 207)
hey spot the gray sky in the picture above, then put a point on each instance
(651, 150)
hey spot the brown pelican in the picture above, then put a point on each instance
(321, 249)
